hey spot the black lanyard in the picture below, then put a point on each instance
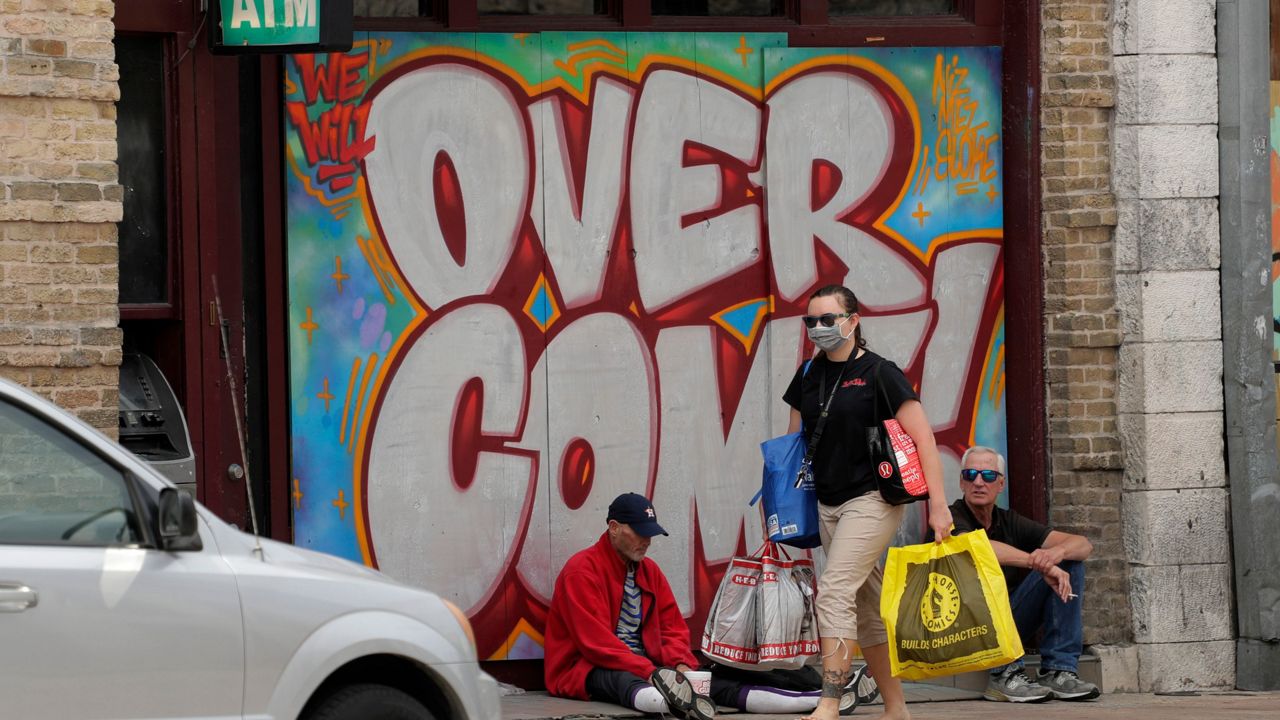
(816, 435)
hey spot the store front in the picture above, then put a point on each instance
(504, 260)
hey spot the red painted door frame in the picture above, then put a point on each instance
(1024, 276)
(280, 489)
(205, 206)
(220, 273)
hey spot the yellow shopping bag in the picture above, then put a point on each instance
(946, 608)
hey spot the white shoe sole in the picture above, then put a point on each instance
(1084, 695)
(996, 696)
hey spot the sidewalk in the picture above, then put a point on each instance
(960, 705)
(540, 706)
(1118, 706)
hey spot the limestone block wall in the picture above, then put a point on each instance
(60, 201)
(1170, 395)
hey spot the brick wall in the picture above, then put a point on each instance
(59, 274)
(1082, 329)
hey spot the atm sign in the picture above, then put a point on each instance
(250, 23)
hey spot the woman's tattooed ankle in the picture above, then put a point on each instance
(833, 683)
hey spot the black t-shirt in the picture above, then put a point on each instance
(1007, 527)
(841, 468)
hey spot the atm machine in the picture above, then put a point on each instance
(152, 425)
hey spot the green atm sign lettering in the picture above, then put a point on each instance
(251, 23)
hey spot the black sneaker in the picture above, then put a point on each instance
(683, 702)
(1066, 685)
(860, 690)
(1013, 685)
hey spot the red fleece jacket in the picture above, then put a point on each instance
(584, 612)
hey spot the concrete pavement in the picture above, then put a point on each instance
(540, 706)
(1117, 706)
(1228, 705)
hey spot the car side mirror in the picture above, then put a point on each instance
(176, 521)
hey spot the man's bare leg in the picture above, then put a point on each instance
(895, 703)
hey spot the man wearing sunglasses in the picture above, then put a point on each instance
(1048, 598)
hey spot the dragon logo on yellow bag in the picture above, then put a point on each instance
(940, 605)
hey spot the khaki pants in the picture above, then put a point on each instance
(855, 535)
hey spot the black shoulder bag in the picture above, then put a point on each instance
(892, 452)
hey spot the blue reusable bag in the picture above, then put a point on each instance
(790, 500)
(787, 491)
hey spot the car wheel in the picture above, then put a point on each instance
(370, 702)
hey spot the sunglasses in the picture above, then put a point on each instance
(827, 319)
(990, 476)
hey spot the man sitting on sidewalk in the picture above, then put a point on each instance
(1050, 598)
(615, 634)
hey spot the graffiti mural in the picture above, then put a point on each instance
(528, 272)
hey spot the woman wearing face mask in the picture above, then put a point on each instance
(857, 525)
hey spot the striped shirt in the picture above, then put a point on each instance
(628, 628)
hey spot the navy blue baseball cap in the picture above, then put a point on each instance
(636, 511)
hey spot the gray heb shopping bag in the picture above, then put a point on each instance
(786, 620)
(729, 636)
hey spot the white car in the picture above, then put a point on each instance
(120, 597)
